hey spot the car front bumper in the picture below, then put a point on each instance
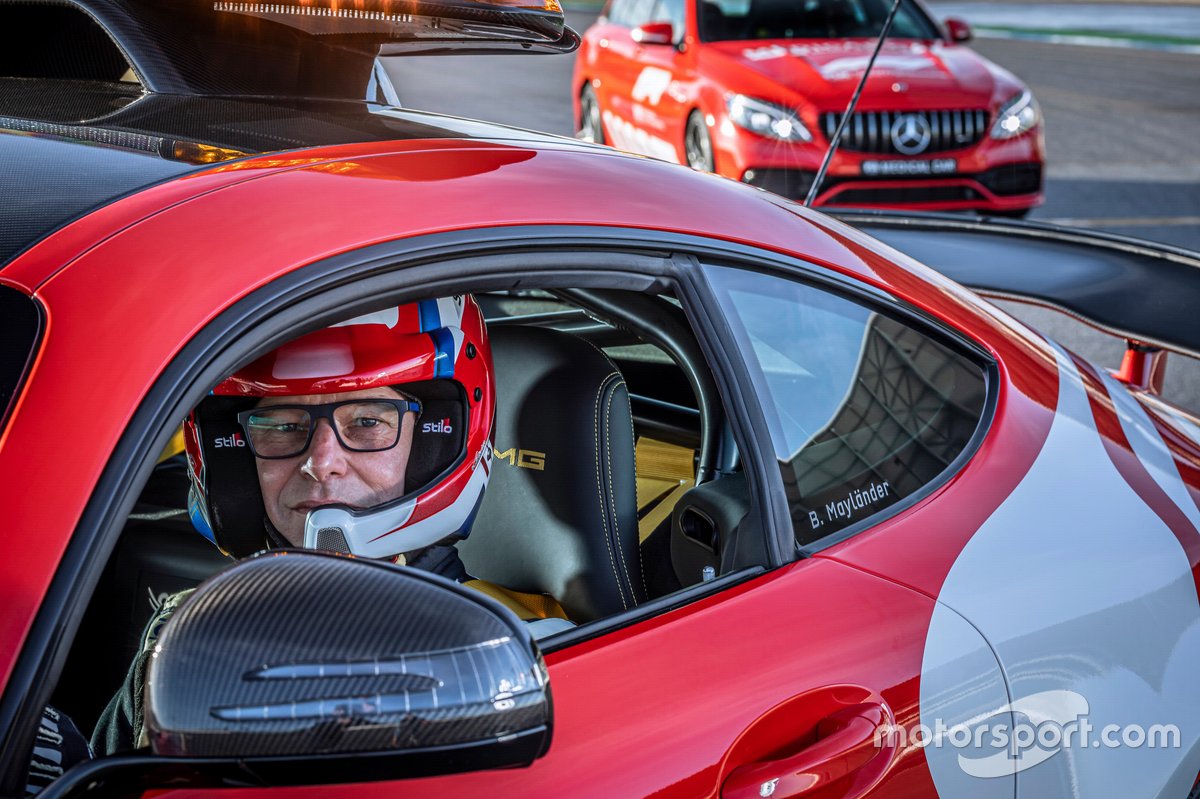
(992, 175)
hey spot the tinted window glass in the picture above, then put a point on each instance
(20, 323)
(632, 13)
(56, 41)
(617, 11)
(671, 11)
(863, 410)
(722, 20)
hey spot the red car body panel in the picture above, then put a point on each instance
(648, 91)
(671, 739)
(854, 618)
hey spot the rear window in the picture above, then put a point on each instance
(864, 410)
(20, 327)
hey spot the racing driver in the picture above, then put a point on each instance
(371, 437)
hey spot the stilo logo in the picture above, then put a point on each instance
(234, 440)
(438, 427)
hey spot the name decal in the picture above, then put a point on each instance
(847, 508)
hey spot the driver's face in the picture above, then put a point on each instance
(326, 473)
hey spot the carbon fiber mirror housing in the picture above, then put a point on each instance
(307, 667)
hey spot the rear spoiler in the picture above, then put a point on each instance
(1144, 292)
(281, 48)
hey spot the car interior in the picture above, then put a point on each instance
(614, 482)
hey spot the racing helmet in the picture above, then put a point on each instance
(434, 351)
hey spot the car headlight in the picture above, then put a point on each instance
(1018, 115)
(766, 119)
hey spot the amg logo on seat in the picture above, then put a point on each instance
(523, 458)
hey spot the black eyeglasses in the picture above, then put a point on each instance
(285, 431)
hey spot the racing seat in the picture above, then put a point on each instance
(560, 513)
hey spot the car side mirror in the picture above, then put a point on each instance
(958, 30)
(304, 654)
(654, 33)
(302, 668)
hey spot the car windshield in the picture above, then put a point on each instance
(739, 20)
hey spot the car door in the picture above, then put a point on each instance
(767, 686)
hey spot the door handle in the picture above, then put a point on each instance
(845, 743)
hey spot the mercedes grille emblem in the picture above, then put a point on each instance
(910, 134)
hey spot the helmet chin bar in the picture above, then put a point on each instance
(384, 531)
(352, 531)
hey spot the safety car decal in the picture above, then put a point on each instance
(651, 84)
(1174, 424)
(961, 682)
(1139, 453)
(1180, 424)
(627, 136)
(1083, 591)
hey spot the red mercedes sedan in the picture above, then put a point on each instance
(755, 89)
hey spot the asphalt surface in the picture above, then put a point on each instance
(1121, 131)
(1151, 22)
(1120, 135)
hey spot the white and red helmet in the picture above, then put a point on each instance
(437, 350)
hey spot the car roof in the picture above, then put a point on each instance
(117, 158)
(351, 195)
(86, 144)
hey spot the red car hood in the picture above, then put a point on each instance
(908, 73)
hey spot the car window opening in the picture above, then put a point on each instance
(556, 368)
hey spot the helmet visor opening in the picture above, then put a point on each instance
(440, 433)
(276, 431)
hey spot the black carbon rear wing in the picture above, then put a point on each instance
(279, 48)
(1145, 292)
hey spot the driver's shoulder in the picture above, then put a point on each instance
(541, 612)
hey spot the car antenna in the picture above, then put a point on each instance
(837, 134)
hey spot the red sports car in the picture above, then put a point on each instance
(823, 522)
(755, 89)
